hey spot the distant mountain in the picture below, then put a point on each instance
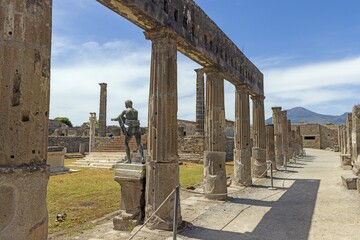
(299, 114)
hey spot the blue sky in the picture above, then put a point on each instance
(308, 50)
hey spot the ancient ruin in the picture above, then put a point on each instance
(102, 109)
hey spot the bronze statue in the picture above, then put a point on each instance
(129, 117)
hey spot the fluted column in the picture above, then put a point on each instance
(162, 169)
(276, 118)
(92, 131)
(200, 102)
(284, 131)
(215, 150)
(290, 143)
(25, 46)
(102, 109)
(348, 133)
(270, 147)
(258, 157)
(242, 160)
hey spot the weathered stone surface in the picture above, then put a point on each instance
(348, 132)
(345, 161)
(276, 116)
(242, 141)
(193, 27)
(131, 178)
(349, 181)
(215, 175)
(102, 109)
(284, 135)
(242, 167)
(55, 158)
(270, 147)
(162, 175)
(358, 185)
(161, 179)
(92, 120)
(200, 102)
(258, 158)
(356, 139)
(25, 42)
(23, 203)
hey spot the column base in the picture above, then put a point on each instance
(215, 175)
(23, 202)
(345, 161)
(242, 167)
(161, 180)
(258, 162)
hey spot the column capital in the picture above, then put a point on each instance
(258, 97)
(213, 70)
(161, 34)
(276, 109)
(242, 88)
(200, 70)
(103, 84)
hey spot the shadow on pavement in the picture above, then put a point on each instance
(289, 217)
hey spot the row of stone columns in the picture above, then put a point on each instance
(287, 142)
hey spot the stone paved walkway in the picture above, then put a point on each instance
(309, 203)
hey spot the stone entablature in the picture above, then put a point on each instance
(197, 36)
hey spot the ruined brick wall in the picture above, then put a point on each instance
(71, 143)
(188, 127)
(329, 137)
(191, 144)
(311, 135)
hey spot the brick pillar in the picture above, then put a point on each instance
(284, 131)
(25, 43)
(162, 170)
(270, 147)
(276, 118)
(215, 150)
(242, 160)
(356, 139)
(258, 156)
(92, 121)
(102, 110)
(200, 103)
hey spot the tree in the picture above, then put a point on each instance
(64, 120)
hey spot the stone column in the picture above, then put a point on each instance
(348, 133)
(356, 139)
(215, 150)
(276, 118)
(284, 130)
(340, 138)
(92, 120)
(242, 160)
(162, 174)
(290, 143)
(270, 147)
(200, 103)
(25, 43)
(102, 110)
(258, 158)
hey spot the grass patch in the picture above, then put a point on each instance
(92, 193)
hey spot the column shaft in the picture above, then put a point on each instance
(25, 44)
(92, 121)
(284, 131)
(102, 110)
(258, 158)
(242, 160)
(276, 118)
(200, 103)
(162, 172)
(356, 139)
(215, 151)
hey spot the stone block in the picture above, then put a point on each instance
(345, 161)
(215, 175)
(242, 167)
(358, 185)
(349, 181)
(132, 204)
(55, 158)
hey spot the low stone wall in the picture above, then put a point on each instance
(71, 143)
(191, 144)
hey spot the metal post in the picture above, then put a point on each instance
(271, 177)
(176, 208)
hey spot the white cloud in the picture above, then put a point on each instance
(313, 86)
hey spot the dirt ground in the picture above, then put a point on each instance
(309, 202)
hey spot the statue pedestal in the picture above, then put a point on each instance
(131, 178)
